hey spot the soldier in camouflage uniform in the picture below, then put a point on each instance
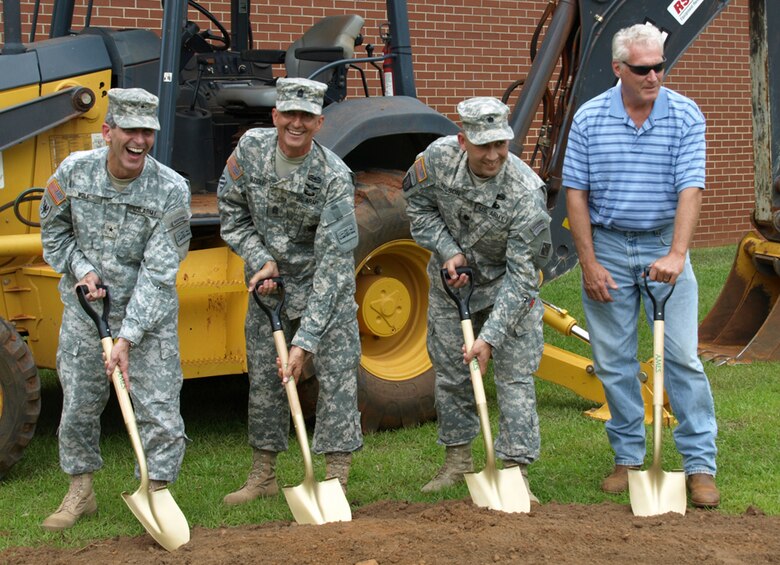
(287, 208)
(471, 203)
(117, 217)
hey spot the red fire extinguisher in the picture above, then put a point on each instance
(387, 70)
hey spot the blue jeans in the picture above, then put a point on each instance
(612, 328)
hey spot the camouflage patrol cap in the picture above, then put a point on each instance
(132, 108)
(484, 120)
(299, 94)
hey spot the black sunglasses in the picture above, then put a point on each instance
(643, 70)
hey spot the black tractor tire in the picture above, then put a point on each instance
(20, 396)
(381, 215)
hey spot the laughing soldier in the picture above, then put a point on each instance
(117, 217)
(286, 205)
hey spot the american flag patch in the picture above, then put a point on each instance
(419, 170)
(56, 193)
(234, 168)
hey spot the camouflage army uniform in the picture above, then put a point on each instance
(502, 228)
(134, 240)
(304, 222)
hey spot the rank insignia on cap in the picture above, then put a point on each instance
(56, 193)
(234, 168)
(419, 170)
(299, 94)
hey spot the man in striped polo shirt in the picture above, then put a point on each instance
(634, 173)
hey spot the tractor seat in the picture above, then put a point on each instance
(331, 39)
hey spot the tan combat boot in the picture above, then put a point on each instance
(156, 485)
(337, 465)
(508, 463)
(80, 501)
(261, 480)
(456, 462)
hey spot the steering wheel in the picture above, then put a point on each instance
(223, 38)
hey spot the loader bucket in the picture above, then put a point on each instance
(744, 323)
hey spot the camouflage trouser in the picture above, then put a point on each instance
(337, 425)
(155, 384)
(513, 365)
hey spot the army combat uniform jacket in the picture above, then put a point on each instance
(134, 240)
(502, 228)
(305, 222)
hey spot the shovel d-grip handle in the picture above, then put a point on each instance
(274, 314)
(461, 301)
(101, 320)
(659, 304)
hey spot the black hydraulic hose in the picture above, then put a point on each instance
(541, 70)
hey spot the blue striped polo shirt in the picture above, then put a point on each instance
(635, 174)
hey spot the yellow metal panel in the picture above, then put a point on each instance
(212, 307)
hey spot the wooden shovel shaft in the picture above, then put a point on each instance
(658, 389)
(123, 396)
(479, 395)
(295, 408)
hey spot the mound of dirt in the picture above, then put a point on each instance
(455, 532)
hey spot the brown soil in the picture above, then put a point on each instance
(455, 532)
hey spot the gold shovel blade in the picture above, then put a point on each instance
(499, 489)
(316, 503)
(655, 492)
(160, 516)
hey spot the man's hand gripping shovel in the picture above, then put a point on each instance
(497, 489)
(656, 491)
(156, 510)
(311, 502)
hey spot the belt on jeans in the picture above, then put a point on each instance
(657, 231)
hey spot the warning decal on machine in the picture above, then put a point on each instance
(683, 9)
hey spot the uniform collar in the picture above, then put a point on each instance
(485, 194)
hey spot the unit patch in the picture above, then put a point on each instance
(234, 168)
(45, 208)
(56, 193)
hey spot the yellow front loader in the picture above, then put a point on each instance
(213, 85)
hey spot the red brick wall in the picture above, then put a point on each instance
(465, 48)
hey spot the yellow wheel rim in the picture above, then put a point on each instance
(392, 297)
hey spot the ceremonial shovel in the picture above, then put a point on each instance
(156, 510)
(497, 489)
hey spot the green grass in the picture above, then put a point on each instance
(393, 465)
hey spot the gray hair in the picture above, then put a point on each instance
(110, 122)
(638, 34)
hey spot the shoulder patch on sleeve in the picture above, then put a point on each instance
(416, 174)
(56, 193)
(234, 169)
(44, 208)
(420, 171)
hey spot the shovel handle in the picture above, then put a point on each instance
(274, 314)
(659, 303)
(275, 317)
(461, 301)
(122, 395)
(101, 320)
(476, 375)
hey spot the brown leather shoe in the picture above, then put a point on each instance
(704, 493)
(617, 481)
